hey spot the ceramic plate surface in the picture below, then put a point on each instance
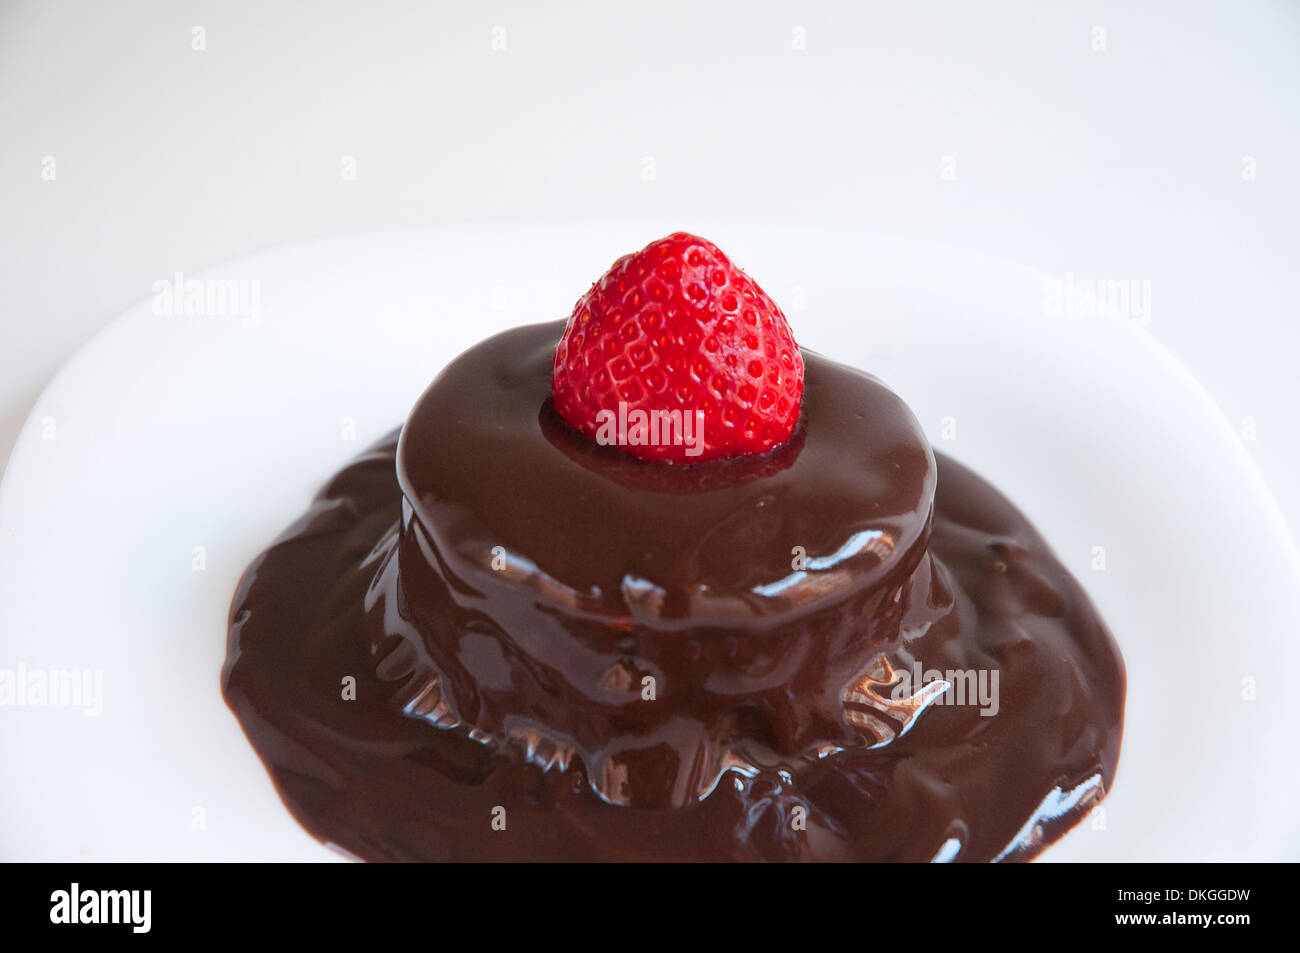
(174, 447)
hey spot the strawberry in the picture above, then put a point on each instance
(677, 355)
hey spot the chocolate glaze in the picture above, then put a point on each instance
(506, 593)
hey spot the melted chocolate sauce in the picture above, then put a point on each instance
(617, 660)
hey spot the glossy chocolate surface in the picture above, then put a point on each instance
(622, 660)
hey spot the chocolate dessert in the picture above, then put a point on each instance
(532, 624)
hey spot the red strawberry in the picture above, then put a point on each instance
(676, 327)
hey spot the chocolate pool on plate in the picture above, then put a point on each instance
(502, 635)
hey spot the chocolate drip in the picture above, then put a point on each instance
(645, 661)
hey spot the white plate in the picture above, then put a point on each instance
(172, 432)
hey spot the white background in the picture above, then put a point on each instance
(1117, 163)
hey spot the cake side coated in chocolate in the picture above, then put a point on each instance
(548, 586)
